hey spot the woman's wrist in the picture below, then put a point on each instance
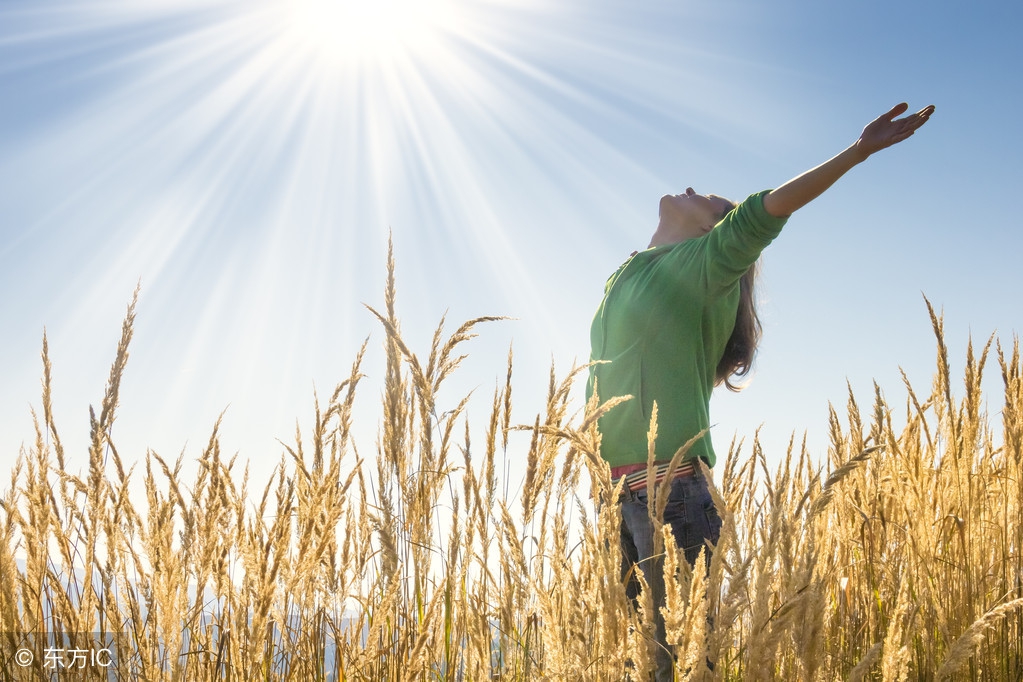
(859, 152)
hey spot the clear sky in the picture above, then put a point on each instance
(246, 161)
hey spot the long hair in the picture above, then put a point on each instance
(737, 359)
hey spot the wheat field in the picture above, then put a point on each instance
(895, 555)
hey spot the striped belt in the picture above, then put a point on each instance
(635, 475)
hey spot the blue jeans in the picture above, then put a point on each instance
(692, 517)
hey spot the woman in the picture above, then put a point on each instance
(677, 320)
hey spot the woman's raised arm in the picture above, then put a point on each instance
(884, 131)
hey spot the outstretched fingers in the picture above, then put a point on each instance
(897, 110)
(914, 121)
(921, 116)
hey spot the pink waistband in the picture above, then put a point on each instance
(635, 475)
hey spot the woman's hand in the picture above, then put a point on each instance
(886, 130)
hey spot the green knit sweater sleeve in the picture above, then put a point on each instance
(736, 242)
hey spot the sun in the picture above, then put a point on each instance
(357, 31)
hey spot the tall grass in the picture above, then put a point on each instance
(896, 557)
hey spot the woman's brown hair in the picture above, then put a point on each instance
(737, 359)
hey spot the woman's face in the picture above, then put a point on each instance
(690, 214)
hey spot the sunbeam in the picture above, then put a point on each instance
(248, 160)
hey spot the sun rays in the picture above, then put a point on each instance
(248, 159)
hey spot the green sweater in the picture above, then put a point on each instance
(662, 327)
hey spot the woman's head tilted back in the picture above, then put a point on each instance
(688, 215)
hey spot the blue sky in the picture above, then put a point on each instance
(248, 173)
